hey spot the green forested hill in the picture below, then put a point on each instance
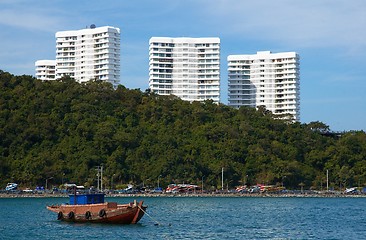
(63, 130)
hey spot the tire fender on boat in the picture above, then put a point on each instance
(102, 213)
(60, 215)
(71, 215)
(88, 215)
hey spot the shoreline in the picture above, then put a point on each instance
(190, 195)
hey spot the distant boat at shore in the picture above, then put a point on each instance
(11, 186)
(351, 190)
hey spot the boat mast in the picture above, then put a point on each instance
(327, 180)
(101, 178)
(98, 179)
(222, 179)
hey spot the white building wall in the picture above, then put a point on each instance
(45, 69)
(266, 79)
(92, 53)
(185, 67)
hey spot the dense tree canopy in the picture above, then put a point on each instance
(62, 130)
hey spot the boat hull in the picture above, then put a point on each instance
(109, 212)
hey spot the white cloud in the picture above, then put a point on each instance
(27, 21)
(35, 15)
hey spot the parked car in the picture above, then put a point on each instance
(157, 190)
(28, 190)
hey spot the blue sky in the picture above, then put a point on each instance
(329, 35)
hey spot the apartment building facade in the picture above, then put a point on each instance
(266, 79)
(188, 68)
(46, 69)
(91, 53)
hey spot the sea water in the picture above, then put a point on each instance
(197, 218)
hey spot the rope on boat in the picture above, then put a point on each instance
(156, 222)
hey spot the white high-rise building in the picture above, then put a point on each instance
(46, 69)
(266, 79)
(188, 68)
(91, 53)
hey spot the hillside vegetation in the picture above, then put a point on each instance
(62, 131)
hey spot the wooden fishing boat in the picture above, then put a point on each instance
(92, 208)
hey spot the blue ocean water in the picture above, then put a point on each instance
(197, 218)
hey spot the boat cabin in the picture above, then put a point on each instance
(82, 199)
